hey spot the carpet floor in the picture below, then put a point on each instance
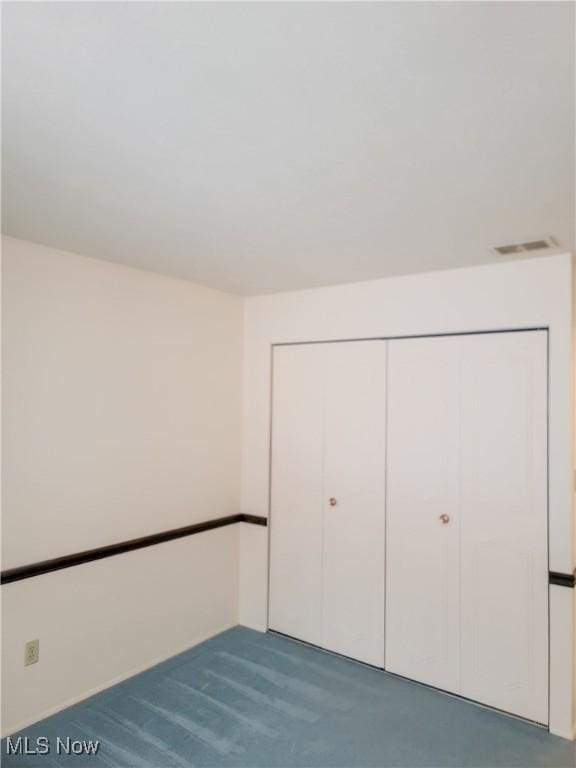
(257, 700)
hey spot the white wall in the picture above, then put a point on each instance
(527, 293)
(122, 399)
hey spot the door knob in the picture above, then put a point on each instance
(332, 501)
(445, 519)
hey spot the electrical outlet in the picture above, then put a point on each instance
(31, 652)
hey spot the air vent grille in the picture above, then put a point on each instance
(531, 245)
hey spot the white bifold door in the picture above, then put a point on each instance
(328, 496)
(466, 563)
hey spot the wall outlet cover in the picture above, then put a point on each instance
(31, 652)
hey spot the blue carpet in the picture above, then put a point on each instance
(248, 699)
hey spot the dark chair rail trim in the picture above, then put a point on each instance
(563, 579)
(111, 550)
(89, 555)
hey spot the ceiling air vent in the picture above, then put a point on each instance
(532, 245)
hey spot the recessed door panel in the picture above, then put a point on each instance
(504, 523)
(295, 605)
(422, 534)
(354, 500)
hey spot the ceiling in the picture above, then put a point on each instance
(259, 147)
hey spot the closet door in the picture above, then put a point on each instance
(328, 496)
(295, 604)
(422, 533)
(504, 556)
(354, 477)
(467, 509)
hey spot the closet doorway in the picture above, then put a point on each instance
(409, 509)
